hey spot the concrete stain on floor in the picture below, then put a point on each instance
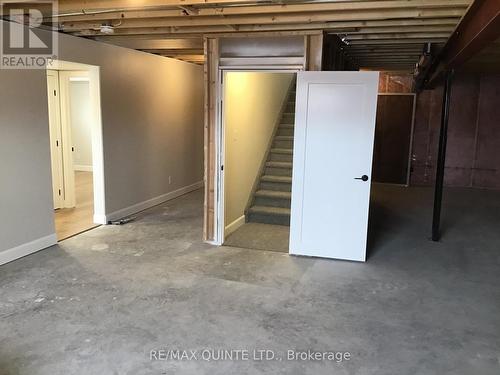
(98, 303)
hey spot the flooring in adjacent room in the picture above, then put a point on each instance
(260, 236)
(71, 221)
(99, 302)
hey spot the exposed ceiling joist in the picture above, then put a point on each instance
(398, 41)
(352, 6)
(171, 44)
(430, 24)
(168, 52)
(271, 19)
(375, 32)
(394, 36)
(78, 5)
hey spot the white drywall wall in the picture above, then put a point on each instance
(81, 117)
(252, 104)
(152, 119)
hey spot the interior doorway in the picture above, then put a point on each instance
(76, 147)
(393, 138)
(331, 149)
(257, 138)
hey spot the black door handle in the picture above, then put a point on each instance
(364, 178)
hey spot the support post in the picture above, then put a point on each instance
(443, 137)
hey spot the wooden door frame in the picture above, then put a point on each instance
(310, 61)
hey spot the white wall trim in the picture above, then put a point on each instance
(83, 168)
(148, 203)
(232, 227)
(20, 251)
(100, 219)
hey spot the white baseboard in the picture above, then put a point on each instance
(100, 219)
(83, 168)
(127, 211)
(20, 251)
(234, 225)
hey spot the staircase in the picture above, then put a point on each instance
(271, 201)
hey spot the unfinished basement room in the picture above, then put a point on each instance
(250, 187)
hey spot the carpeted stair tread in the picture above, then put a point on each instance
(286, 126)
(283, 138)
(274, 194)
(282, 179)
(282, 151)
(269, 210)
(279, 164)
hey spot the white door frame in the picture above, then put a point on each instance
(96, 132)
(410, 149)
(220, 130)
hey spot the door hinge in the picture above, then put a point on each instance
(59, 191)
(72, 149)
(55, 93)
(57, 143)
(221, 167)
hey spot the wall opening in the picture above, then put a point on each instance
(76, 147)
(257, 143)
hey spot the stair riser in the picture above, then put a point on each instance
(272, 202)
(288, 118)
(285, 131)
(278, 171)
(281, 157)
(282, 144)
(269, 219)
(276, 186)
(290, 108)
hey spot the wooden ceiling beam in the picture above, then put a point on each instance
(404, 29)
(271, 19)
(70, 6)
(389, 54)
(173, 51)
(396, 36)
(480, 26)
(173, 44)
(430, 24)
(395, 41)
(416, 44)
(91, 14)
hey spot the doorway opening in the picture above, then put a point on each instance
(392, 150)
(333, 133)
(258, 115)
(75, 147)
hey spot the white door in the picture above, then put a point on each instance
(56, 154)
(332, 162)
(68, 146)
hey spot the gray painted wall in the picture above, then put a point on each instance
(152, 116)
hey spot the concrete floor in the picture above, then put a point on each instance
(100, 301)
(259, 236)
